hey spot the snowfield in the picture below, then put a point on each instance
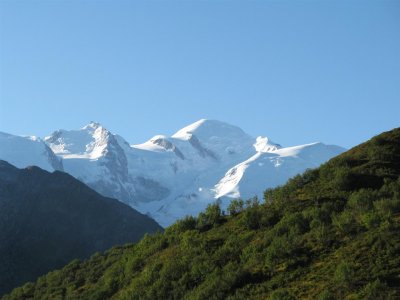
(169, 177)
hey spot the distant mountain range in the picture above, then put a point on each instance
(169, 177)
(48, 219)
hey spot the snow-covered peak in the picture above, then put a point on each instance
(156, 143)
(169, 177)
(271, 166)
(92, 126)
(26, 151)
(296, 150)
(205, 130)
(263, 144)
(160, 143)
(186, 132)
(215, 136)
(317, 152)
(158, 137)
(88, 142)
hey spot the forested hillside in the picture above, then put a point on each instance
(331, 233)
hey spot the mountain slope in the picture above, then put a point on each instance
(48, 219)
(170, 177)
(271, 167)
(94, 156)
(331, 233)
(28, 151)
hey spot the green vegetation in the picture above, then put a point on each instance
(331, 233)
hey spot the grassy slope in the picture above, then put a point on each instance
(331, 233)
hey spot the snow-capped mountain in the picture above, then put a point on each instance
(28, 151)
(249, 177)
(170, 177)
(95, 156)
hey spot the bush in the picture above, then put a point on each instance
(212, 216)
(284, 250)
(235, 207)
(375, 290)
(281, 295)
(344, 275)
(345, 222)
(326, 295)
(342, 179)
(361, 200)
(252, 214)
(294, 224)
(252, 218)
(387, 207)
(269, 216)
(187, 223)
(370, 220)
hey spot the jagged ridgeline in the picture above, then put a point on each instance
(331, 233)
(168, 177)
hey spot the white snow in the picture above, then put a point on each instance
(26, 151)
(170, 177)
(89, 142)
(263, 144)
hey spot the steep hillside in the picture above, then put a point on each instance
(331, 233)
(48, 219)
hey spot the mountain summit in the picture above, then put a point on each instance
(170, 177)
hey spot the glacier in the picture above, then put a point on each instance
(23, 151)
(168, 177)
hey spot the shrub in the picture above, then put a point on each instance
(326, 295)
(375, 290)
(281, 295)
(344, 275)
(361, 200)
(342, 179)
(345, 222)
(370, 219)
(387, 207)
(187, 223)
(212, 216)
(235, 207)
(252, 218)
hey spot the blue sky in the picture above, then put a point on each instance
(296, 71)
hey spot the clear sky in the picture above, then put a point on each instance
(296, 71)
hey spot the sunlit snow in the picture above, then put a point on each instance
(170, 177)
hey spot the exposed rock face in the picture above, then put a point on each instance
(203, 152)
